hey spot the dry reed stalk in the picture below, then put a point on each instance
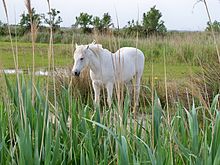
(214, 39)
(21, 106)
(212, 30)
(118, 86)
(15, 58)
(205, 86)
(134, 93)
(71, 78)
(135, 106)
(152, 104)
(165, 83)
(167, 107)
(33, 37)
(50, 57)
(28, 6)
(71, 103)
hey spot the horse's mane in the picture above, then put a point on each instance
(97, 48)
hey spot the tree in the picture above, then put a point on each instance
(3, 29)
(97, 23)
(54, 19)
(102, 24)
(25, 22)
(215, 25)
(84, 21)
(133, 27)
(106, 21)
(152, 23)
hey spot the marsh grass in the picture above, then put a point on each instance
(94, 137)
(208, 83)
(80, 87)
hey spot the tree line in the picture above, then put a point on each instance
(87, 23)
(151, 23)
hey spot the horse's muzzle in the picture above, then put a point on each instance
(76, 73)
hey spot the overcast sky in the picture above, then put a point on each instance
(177, 14)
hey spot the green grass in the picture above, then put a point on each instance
(64, 58)
(174, 72)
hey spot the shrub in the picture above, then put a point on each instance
(43, 37)
(215, 26)
(80, 87)
(3, 29)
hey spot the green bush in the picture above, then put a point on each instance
(43, 37)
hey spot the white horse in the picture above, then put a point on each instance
(108, 68)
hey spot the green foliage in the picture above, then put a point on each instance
(106, 21)
(132, 28)
(54, 19)
(84, 20)
(152, 23)
(97, 23)
(3, 29)
(88, 22)
(102, 25)
(25, 22)
(215, 25)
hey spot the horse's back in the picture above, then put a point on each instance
(131, 55)
(131, 52)
(130, 61)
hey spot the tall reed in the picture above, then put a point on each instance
(33, 38)
(91, 137)
(15, 59)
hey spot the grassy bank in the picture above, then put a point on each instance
(63, 55)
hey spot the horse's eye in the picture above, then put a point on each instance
(81, 59)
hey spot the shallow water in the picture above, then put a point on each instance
(40, 72)
(10, 71)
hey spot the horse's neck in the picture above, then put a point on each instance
(94, 64)
(98, 61)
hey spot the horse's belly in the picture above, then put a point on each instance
(125, 73)
(102, 78)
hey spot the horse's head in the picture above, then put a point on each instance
(80, 59)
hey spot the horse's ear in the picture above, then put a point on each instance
(76, 45)
(93, 42)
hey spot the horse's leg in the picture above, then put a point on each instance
(137, 90)
(130, 89)
(96, 88)
(109, 87)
